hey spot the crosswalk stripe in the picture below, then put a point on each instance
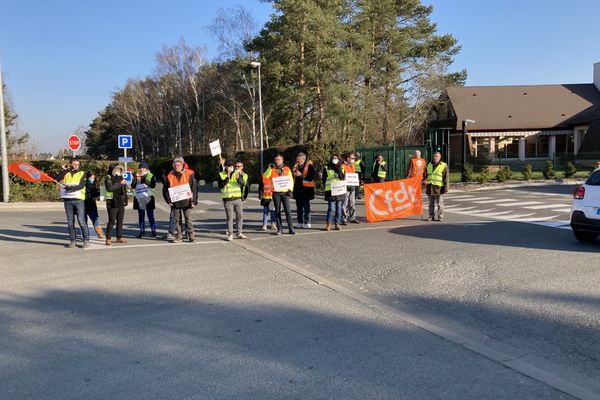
(517, 217)
(208, 202)
(451, 209)
(495, 201)
(479, 212)
(460, 197)
(524, 203)
(545, 206)
(495, 214)
(478, 198)
(563, 210)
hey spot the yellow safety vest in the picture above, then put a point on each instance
(232, 190)
(381, 173)
(331, 177)
(73, 180)
(357, 167)
(436, 177)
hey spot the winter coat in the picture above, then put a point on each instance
(151, 183)
(340, 174)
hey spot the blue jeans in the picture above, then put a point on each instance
(338, 211)
(142, 220)
(269, 210)
(76, 208)
(303, 211)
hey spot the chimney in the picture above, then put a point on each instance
(597, 75)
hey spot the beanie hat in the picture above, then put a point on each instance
(144, 164)
(178, 159)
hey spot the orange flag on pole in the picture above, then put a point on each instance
(394, 199)
(29, 173)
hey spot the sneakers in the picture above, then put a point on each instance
(192, 239)
(86, 244)
(429, 218)
(264, 228)
(344, 222)
(308, 226)
(71, 245)
(355, 221)
(274, 227)
(178, 239)
(140, 235)
(154, 234)
(229, 237)
(170, 237)
(279, 233)
(292, 232)
(241, 236)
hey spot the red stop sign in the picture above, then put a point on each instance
(74, 142)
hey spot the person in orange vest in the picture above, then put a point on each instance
(304, 189)
(417, 166)
(265, 194)
(349, 205)
(187, 197)
(282, 191)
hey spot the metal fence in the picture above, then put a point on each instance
(397, 157)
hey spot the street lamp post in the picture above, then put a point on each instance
(256, 64)
(464, 146)
(5, 186)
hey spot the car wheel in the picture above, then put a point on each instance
(585, 236)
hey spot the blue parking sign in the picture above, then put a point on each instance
(128, 177)
(125, 142)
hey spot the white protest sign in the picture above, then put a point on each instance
(180, 192)
(338, 188)
(215, 148)
(64, 194)
(142, 191)
(352, 179)
(282, 184)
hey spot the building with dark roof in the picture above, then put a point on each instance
(529, 122)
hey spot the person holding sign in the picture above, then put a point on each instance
(265, 195)
(304, 189)
(335, 191)
(283, 186)
(181, 193)
(352, 183)
(232, 184)
(116, 200)
(143, 185)
(72, 191)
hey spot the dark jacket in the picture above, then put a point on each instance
(92, 191)
(182, 203)
(240, 180)
(300, 191)
(340, 174)
(151, 183)
(437, 190)
(361, 174)
(118, 187)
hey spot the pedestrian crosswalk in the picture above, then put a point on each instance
(547, 209)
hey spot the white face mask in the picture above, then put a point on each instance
(229, 169)
(335, 161)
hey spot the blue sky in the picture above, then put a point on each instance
(62, 59)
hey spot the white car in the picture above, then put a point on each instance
(585, 210)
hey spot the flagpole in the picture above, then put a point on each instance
(5, 186)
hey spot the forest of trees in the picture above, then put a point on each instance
(351, 71)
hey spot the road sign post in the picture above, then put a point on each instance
(125, 142)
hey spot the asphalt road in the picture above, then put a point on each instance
(402, 309)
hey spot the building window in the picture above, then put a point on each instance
(542, 145)
(507, 147)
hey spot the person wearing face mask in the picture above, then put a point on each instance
(333, 172)
(233, 182)
(116, 200)
(304, 189)
(144, 184)
(349, 205)
(282, 191)
(92, 193)
(73, 193)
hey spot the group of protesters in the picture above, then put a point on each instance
(280, 184)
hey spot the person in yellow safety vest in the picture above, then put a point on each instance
(379, 170)
(233, 183)
(333, 172)
(417, 165)
(349, 206)
(265, 194)
(72, 192)
(360, 169)
(438, 181)
(304, 189)
(116, 201)
(282, 191)
(143, 185)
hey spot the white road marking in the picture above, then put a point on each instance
(545, 206)
(495, 201)
(450, 209)
(477, 198)
(524, 203)
(517, 218)
(209, 202)
(563, 210)
(495, 214)
(460, 197)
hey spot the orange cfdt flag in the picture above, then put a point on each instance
(394, 199)
(29, 173)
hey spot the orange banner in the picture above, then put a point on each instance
(394, 199)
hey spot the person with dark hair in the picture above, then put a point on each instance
(232, 182)
(92, 193)
(379, 172)
(283, 186)
(349, 205)
(181, 194)
(333, 172)
(116, 200)
(144, 184)
(265, 194)
(72, 191)
(304, 189)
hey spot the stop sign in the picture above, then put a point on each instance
(74, 142)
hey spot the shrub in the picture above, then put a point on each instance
(504, 174)
(527, 172)
(570, 170)
(484, 175)
(549, 172)
(468, 172)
